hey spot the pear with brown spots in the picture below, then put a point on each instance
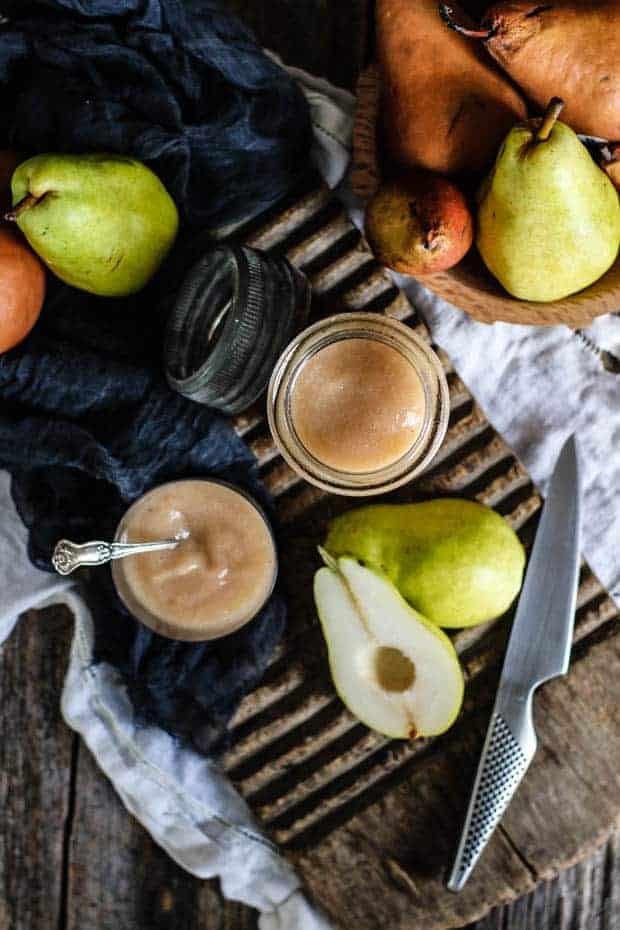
(420, 224)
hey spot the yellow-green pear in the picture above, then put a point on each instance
(102, 223)
(395, 671)
(457, 562)
(549, 217)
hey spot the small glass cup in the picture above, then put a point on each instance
(161, 625)
(394, 334)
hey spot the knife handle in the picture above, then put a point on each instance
(502, 765)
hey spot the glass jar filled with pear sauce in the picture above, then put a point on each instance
(218, 577)
(358, 404)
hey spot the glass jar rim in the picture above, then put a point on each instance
(394, 333)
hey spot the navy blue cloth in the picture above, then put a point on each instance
(87, 421)
(87, 425)
(179, 84)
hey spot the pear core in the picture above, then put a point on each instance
(358, 405)
(394, 671)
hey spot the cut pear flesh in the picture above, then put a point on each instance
(395, 671)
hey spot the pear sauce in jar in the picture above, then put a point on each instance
(358, 404)
(217, 578)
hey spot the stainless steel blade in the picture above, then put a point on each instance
(538, 649)
(540, 642)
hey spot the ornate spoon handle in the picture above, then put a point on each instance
(69, 555)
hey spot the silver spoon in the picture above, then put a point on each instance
(69, 555)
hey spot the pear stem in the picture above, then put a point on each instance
(328, 559)
(447, 13)
(430, 239)
(554, 108)
(24, 204)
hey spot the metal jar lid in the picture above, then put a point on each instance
(235, 312)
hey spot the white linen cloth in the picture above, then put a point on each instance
(535, 385)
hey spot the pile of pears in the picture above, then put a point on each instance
(100, 222)
(547, 214)
(394, 576)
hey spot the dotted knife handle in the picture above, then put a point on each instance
(502, 766)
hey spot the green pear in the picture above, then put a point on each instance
(457, 562)
(102, 223)
(395, 671)
(549, 217)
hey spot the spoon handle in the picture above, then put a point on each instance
(69, 555)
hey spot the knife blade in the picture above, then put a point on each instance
(538, 649)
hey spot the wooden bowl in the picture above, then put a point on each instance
(469, 285)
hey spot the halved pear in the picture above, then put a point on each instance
(396, 671)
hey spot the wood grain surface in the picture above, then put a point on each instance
(71, 857)
(37, 757)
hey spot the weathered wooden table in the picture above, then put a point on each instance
(70, 856)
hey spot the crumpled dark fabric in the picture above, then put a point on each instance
(87, 425)
(87, 420)
(179, 84)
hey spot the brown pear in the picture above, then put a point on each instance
(567, 48)
(22, 275)
(445, 107)
(22, 288)
(420, 224)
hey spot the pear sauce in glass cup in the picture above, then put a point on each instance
(358, 404)
(219, 576)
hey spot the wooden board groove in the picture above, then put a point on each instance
(400, 309)
(299, 776)
(274, 233)
(385, 301)
(326, 245)
(386, 763)
(367, 750)
(341, 280)
(301, 244)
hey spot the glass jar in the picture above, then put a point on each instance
(220, 575)
(234, 313)
(378, 330)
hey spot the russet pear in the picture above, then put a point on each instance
(22, 275)
(445, 107)
(568, 47)
(22, 288)
(419, 224)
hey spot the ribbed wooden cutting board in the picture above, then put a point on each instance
(371, 823)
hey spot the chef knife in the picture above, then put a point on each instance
(538, 649)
